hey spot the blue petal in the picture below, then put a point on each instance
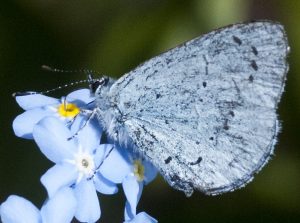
(142, 217)
(150, 171)
(24, 123)
(102, 152)
(78, 123)
(52, 135)
(19, 210)
(133, 191)
(104, 186)
(88, 208)
(34, 101)
(59, 176)
(128, 213)
(81, 96)
(61, 208)
(88, 133)
(116, 167)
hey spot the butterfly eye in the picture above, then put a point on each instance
(95, 84)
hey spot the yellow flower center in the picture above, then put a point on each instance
(68, 110)
(138, 170)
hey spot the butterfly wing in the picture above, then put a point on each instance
(204, 113)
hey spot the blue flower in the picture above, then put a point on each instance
(38, 106)
(142, 217)
(68, 137)
(122, 166)
(59, 209)
(76, 163)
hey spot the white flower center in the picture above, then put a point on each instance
(85, 164)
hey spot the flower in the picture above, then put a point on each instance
(126, 167)
(59, 209)
(69, 135)
(38, 106)
(142, 217)
(77, 160)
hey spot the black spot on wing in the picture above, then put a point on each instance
(254, 50)
(251, 78)
(168, 160)
(225, 125)
(254, 65)
(237, 40)
(197, 161)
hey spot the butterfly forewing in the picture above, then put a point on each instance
(204, 113)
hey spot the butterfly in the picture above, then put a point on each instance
(204, 112)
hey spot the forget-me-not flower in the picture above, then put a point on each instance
(69, 136)
(77, 160)
(59, 209)
(122, 166)
(39, 106)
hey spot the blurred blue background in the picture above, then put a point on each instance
(112, 37)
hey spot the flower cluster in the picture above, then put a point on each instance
(83, 164)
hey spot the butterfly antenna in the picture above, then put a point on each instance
(89, 80)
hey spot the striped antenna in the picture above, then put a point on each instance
(89, 80)
(84, 71)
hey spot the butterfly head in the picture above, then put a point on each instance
(96, 84)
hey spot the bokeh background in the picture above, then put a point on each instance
(112, 37)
